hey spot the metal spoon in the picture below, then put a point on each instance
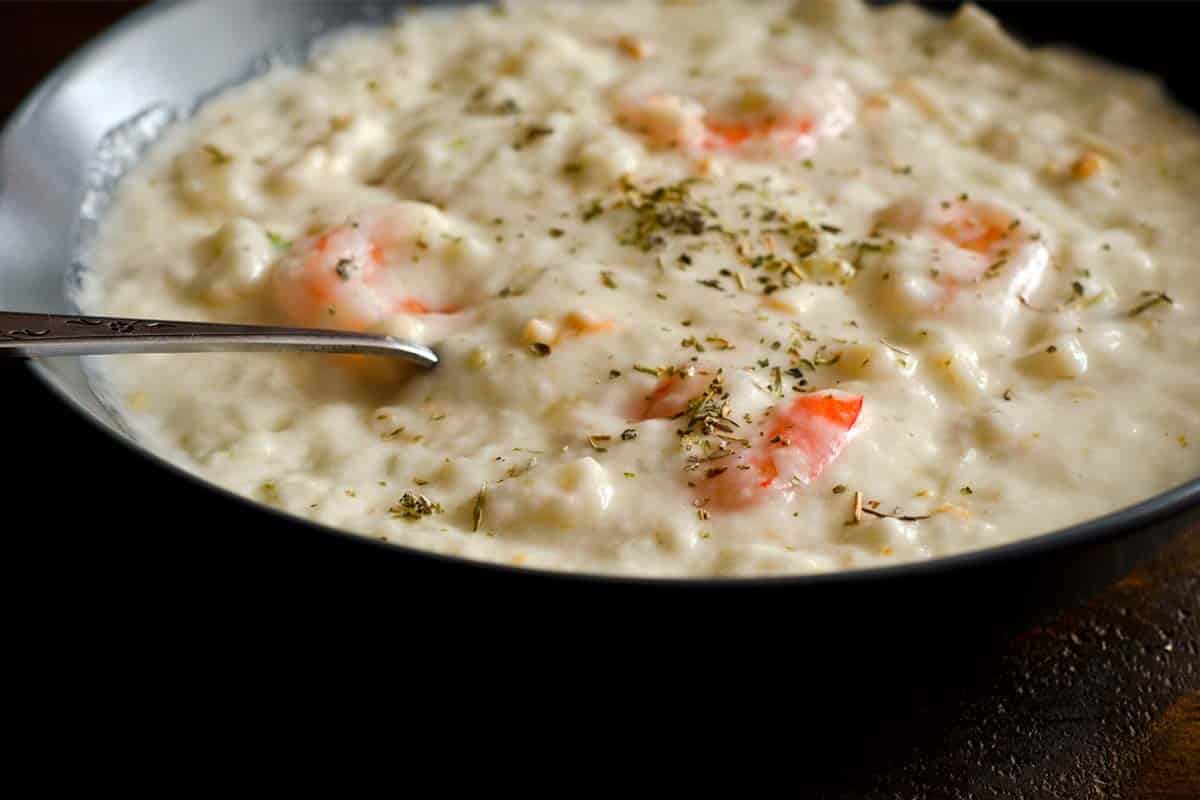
(31, 335)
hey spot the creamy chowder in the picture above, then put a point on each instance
(719, 287)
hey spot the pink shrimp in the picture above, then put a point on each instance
(978, 227)
(788, 133)
(989, 244)
(787, 110)
(797, 441)
(801, 439)
(349, 276)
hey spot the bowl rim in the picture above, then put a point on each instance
(1096, 530)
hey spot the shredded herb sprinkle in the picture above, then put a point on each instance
(477, 511)
(1149, 301)
(278, 241)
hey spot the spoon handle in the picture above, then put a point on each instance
(31, 335)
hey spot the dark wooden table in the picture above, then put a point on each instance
(1102, 701)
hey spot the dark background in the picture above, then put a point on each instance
(1101, 701)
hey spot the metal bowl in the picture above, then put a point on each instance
(57, 155)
